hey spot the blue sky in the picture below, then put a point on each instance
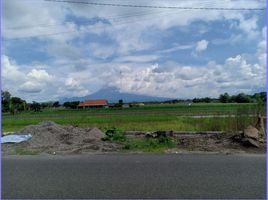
(55, 50)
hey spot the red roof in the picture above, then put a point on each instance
(98, 102)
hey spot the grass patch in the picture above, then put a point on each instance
(24, 151)
(157, 145)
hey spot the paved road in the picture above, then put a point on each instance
(134, 176)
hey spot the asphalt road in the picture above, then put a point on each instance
(134, 176)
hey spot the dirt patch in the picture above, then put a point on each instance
(52, 138)
(223, 143)
(211, 141)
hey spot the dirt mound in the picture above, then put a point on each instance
(251, 132)
(50, 137)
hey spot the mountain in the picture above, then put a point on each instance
(113, 95)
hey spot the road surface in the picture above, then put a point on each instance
(134, 176)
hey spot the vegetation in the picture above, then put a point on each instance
(239, 98)
(183, 116)
(150, 144)
(180, 117)
(25, 151)
(15, 105)
(243, 98)
(114, 134)
(71, 105)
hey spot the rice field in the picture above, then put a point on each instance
(178, 117)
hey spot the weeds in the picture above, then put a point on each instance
(24, 151)
(114, 134)
(150, 144)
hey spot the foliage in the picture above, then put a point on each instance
(243, 98)
(150, 144)
(71, 105)
(12, 104)
(47, 104)
(24, 151)
(6, 96)
(203, 100)
(114, 134)
(36, 107)
(224, 98)
(56, 104)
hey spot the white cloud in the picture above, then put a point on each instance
(261, 51)
(250, 26)
(201, 45)
(127, 30)
(19, 81)
(178, 81)
(30, 87)
(10, 70)
(73, 87)
(137, 59)
(176, 48)
(39, 75)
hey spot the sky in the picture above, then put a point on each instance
(52, 50)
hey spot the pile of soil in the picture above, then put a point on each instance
(52, 138)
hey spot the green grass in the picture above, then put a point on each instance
(156, 145)
(25, 151)
(146, 118)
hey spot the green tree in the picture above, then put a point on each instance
(6, 101)
(72, 105)
(36, 107)
(242, 98)
(56, 104)
(17, 104)
(224, 98)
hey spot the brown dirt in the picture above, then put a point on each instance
(222, 143)
(52, 138)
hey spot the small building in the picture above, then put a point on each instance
(99, 103)
(125, 105)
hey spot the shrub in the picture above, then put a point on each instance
(114, 134)
(158, 144)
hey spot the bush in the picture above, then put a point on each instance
(158, 144)
(166, 140)
(114, 134)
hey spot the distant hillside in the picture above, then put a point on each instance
(113, 95)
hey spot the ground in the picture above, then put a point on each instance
(52, 138)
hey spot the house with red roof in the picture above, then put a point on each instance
(99, 103)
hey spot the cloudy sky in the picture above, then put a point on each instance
(52, 50)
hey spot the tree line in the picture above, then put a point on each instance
(239, 98)
(225, 98)
(16, 104)
(243, 98)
